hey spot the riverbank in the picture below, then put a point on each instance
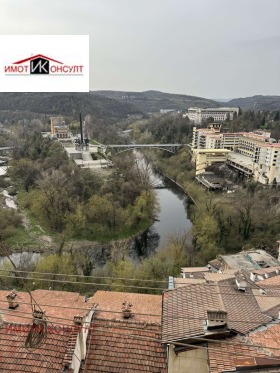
(176, 183)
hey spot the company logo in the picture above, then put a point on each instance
(42, 65)
(62, 64)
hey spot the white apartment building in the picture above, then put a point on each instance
(199, 115)
(268, 164)
(212, 138)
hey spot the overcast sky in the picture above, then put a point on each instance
(208, 48)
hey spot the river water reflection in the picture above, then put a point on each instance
(172, 219)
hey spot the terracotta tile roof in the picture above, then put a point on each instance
(273, 312)
(216, 276)
(230, 271)
(194, 269)
(179, 282)
(59, 346)
(145, 307)
(215, 263)
(185, 310)
(268, 301)
(125, 345)
(14, 357)
(267, 338)
(270, 282)
(244, 313)
(225, 357)
(244, 351)
(115, 349)
(46, 298)
(268, 270)
(194, 272)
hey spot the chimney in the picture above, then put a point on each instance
(38, 314)
(216, 319)
(12, 299)
(78, 320)
(126, 310)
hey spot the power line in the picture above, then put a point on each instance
(128, 279)
(134, 286)
(99, 277)
(83, 283)
(11, 313)
(120, 312)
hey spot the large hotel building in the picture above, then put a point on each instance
(255, 154)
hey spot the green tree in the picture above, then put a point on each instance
(55, 264)
(25, 171)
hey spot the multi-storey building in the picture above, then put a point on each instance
(212, 138)
(199, 115)
(253, 153)
(268, 170)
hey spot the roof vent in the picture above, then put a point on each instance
(126, 310)
(12, 299)
(216, 319)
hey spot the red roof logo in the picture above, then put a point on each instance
(35, 57)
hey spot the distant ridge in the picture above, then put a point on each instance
(257, 102)
(153, 101)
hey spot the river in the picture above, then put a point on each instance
(172, 218)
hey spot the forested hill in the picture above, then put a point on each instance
(14, 106)
(153, 101)
(257, 103)
(113, 106)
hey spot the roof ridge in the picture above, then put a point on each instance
(127, 322)
(220, 295)
(71, 344)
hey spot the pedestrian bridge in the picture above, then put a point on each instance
(171, 148)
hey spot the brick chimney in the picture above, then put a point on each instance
(126, 310)
(12, 299)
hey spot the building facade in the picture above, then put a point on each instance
(255, 154)
(199, 115)
(59, 129)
